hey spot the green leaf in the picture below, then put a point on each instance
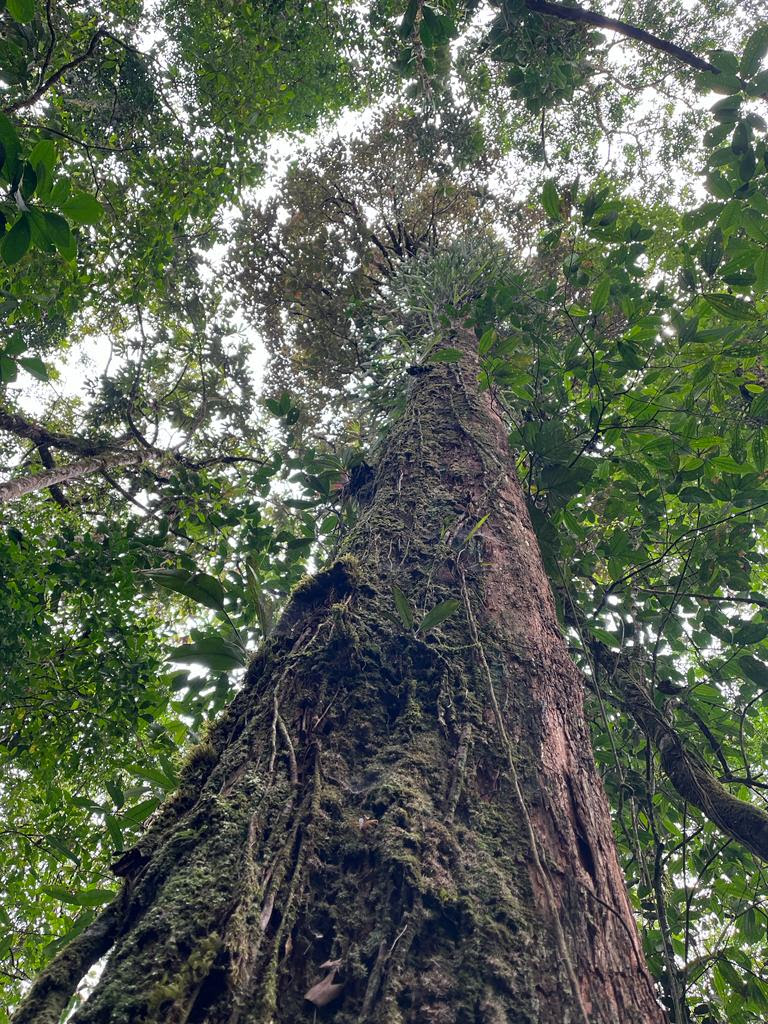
(759, 451)
(403, 606)
(712, 255)
(727, 464)
(58, 231)
(35, 366)
(755, 670)
(149, 774)
(15, 244)
(115, 832)
(486, 342)
(444, 355)
(550, 200)
(44, 152)
(601, 294)
(198, 586)
(10, 143)
(478, 525)
(9, 370)
(21, 10)
(761, 272)
(139, 813)
(83, 209)
(437, 615)
(732, 307)
(725, 84)
(213, 651)
(755, 49)
(695, 496)
(84, 898)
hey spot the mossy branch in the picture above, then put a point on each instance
(54, 987)
(686, 770)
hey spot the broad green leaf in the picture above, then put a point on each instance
(35, 366)
(83, 209)
(58, 231)
(761, 272)
(601, 295)
(149, 774)
(759, 451)
(213, 651)
(755, 50)
(43, 152)
(10, 143)
(83, 898)
(139, 813)
(444, 355)
(15, 244)
(21, 10)
(9, 369)
(695, 495)
(753, 669)
(198, 586)
(486, 342)
(732, 307)
(437, 615)
(550, 200)
(712, 253)
(403, 606)
(114, 829)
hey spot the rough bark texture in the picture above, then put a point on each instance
(403, 827)
(11, 490)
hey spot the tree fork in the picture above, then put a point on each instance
(394, 824)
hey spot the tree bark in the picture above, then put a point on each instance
(11, 490)
(392, 824)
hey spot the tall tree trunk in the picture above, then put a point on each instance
(391, 825)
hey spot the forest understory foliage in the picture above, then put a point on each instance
(384, 433)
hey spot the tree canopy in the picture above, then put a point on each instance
(587, 191)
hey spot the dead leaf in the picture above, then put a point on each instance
(266, 910)
(325, 991)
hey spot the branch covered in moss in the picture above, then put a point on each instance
(49, 996)
(686, 770)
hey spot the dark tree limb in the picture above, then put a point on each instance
(580, 14)
(13, 423)
(689, 773)
(55, 491)
(57, 75)
(53, 988)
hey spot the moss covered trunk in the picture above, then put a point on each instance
(392, 825)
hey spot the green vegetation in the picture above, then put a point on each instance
(591, 204)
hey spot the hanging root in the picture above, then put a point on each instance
(538, 864)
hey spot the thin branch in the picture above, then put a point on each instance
(57, 75)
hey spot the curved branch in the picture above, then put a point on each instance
(689, 773)
(49, 996)
(43, 88)
(686, 770)
(580, 14)
(13, 423)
